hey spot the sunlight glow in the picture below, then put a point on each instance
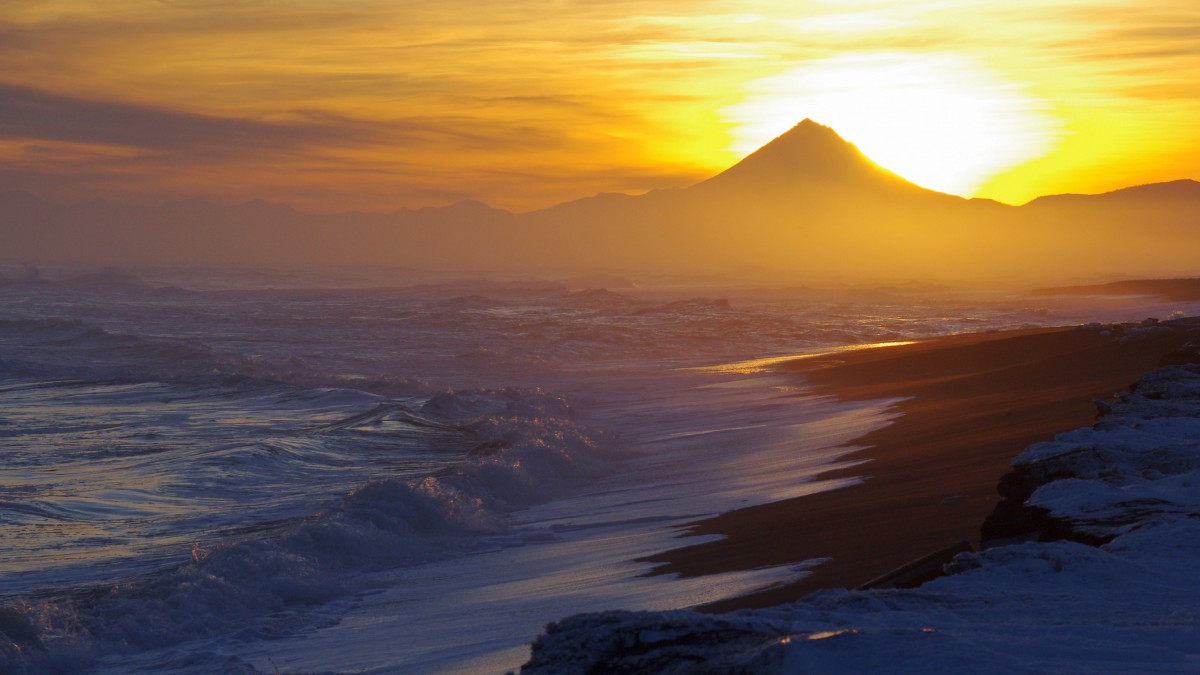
(940, 121)
(376, 105)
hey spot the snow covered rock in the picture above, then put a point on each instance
(1139, 460)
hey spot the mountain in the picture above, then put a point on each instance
(806, 206)
(1140, 195)
(809, 155)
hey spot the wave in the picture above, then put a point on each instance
(52, 347)
(71, 349)
(518, 447)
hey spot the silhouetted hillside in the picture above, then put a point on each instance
(808, 205)
(1182, 290)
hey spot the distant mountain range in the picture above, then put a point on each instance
(806, 206)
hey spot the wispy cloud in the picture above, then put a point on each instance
(29, 113)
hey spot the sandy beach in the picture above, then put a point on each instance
(971, 403)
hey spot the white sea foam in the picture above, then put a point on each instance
(579, 553)
(248, 577)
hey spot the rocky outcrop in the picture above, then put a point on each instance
(1121, 454)
(667, 643)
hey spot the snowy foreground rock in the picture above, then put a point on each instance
(1092, 566)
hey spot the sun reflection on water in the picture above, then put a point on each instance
(763, 365)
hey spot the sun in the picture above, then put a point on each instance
(941, 121)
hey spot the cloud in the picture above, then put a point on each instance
(33, 114)
(524, 100)
(71, 147)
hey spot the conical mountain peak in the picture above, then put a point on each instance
(807, 152)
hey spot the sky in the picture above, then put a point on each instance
(376, 105)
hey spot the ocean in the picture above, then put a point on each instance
(390, 472)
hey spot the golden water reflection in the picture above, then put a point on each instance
(763, 365)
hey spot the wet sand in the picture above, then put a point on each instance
(973, 402)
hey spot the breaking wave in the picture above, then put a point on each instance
(510, 448)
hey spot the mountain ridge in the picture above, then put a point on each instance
(807, 204)
(1181, 187)
(784, 159)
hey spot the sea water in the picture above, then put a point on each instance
(239, 473)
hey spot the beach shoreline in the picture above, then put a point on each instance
(969, 404)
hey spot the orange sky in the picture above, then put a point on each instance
(380, 104)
